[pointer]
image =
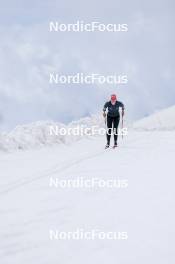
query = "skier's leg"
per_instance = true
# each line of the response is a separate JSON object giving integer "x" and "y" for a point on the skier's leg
{"x": 116, "y": 121}
{"x": 109, "y": 129}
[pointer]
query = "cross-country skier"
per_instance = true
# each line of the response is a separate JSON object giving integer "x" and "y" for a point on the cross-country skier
{"x": 113, "y": 118}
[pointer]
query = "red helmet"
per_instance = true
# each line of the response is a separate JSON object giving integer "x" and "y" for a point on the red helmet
{"x": 113, "y": 97}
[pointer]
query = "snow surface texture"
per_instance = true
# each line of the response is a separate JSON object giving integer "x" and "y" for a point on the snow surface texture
{"x": 30, "y": 207}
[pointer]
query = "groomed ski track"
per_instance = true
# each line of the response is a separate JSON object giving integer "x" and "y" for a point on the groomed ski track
{"x": 30, "y": 207}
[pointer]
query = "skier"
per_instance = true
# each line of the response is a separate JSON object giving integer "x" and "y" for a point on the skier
{"x": 113, "y": 118}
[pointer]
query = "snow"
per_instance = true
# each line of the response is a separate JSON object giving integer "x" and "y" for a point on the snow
{"x": 30, "y": 207}
{"x": 36, "y": 135}
{"x": 161, "y": 120}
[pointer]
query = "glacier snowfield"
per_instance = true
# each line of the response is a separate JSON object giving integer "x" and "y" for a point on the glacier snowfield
{"x": 145, "y": 209}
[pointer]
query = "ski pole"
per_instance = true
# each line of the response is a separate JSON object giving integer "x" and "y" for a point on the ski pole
{"x": 122, "y": 125}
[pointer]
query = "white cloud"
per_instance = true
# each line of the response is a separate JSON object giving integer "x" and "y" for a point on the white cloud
{"x": 29, "y": 52}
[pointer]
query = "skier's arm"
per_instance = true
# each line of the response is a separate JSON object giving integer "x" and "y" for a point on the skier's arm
{"x": 104, "y": 109}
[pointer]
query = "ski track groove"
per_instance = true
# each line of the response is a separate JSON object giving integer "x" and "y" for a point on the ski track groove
{"x": 56, "y": 169}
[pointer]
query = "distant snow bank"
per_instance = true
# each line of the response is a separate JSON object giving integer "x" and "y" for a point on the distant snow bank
{"x": 162, "y": 120}
{"x": 38, "y": 134}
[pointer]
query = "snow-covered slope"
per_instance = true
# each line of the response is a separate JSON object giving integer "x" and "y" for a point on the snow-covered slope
{"x": 162, "y": 120}
{"x": 30, "y": 207}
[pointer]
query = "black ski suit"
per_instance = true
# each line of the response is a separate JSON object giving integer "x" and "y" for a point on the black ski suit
{"x": 113, "y": 119}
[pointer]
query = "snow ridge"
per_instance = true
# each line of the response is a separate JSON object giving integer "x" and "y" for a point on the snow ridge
{"x": 36, "y": 135}
{"x": 162, "y": 120}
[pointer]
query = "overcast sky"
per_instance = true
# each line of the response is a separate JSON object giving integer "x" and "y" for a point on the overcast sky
{"x": 28, "y": 52}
